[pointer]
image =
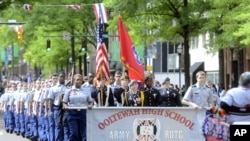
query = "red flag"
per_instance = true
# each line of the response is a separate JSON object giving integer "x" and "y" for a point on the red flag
{"x": 128, "y": 54}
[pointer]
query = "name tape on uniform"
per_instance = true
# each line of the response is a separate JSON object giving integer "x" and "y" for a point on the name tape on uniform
{"x": 241, "y": 132}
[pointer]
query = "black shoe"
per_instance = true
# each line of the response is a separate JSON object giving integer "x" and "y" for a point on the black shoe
{"x": 17, "y": 133}
{"x": 11, "y": 131}
{"x": 28, "y": 137}
{"x": 34, "y": 138}
{"x": 23, "y": 135}
{"x": 7, "y": 130}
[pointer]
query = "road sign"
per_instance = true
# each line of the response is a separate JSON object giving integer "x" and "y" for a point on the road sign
{"x": 66, "y": 36}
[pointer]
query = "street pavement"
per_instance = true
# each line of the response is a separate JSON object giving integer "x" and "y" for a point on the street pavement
{"x": 6, "y": 136}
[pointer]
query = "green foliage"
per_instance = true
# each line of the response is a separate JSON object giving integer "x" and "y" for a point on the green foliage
{"x": 227, "y": 22}
{"x": 49, "y": 19}
{"x": 152, "y": 20}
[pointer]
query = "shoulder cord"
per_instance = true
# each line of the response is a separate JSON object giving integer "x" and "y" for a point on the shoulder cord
{"x": 142, "y": 98}
{"x": 125, "y": 97}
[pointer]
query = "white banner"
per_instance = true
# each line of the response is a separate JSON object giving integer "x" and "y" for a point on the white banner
{"x": 145, "y": 124}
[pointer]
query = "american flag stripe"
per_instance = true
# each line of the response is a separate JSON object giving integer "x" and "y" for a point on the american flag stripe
{"x": 102, "y": 64}
{"x": 100, "y": 12}
{"x": 75, "y": 7}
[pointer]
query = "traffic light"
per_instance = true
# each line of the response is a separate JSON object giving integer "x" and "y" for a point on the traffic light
{"x": 20, "y": 33}
{"x": 48, "y": 45}
{"x": 84, "y": 45}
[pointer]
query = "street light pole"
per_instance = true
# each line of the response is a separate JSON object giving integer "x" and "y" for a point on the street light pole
{"x": 232, "y": 65}
{"x": 179, "y": 51}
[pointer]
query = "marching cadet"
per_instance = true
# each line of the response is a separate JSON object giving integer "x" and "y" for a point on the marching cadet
{"x": 50, "y": 110}
{"x": 17, "y": 97}
{"x": 152, "y": 95}
{"x": 90, "y": 84}
{"x": 54, "y": 96}
{"x": 169, "y": 96}
{"x": 20, "y": 109}
{"x": 90, "y": 80}
{"x": 41, "y": 118}
{"x": 103, "y": 95}
{"x": 34, "y": 116}
{"x": 77, "y": 96}
{"x": 199, "y": 95}
{"x": 114, "y": 86}
{"x": 26, "y": 102}
{"x": 2, "y": 97}
{"x": 216, "y": 97}
{"x": 10, "y": 109}
{"x": 134, "y": 97}
{"x": 4, "y": 107}
{"x": 44, "y": 100}
{"x": 121, "y": 92}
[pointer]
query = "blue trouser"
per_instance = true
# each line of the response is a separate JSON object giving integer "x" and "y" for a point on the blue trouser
{"x": 51, "y": 126}
{"x": 58, "y": 128}
{"x": 10, "y": 119}
{"x": 66, "y": 131}
{"x": 17, "y": 124}
{"x": 77, "y": 125}
{"x": 33, "y": 125}
{"x": 41, "y": 126}
{"x": 22, "y": 122}
{"x": 27, "y": 124}
{"x": 5, "y": 119}
{"x": 46, "y": 126}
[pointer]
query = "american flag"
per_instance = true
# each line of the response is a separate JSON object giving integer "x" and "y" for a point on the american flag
{"x": 75, "y": 7}
{"x": 102, "y": 65}
{"x": 100, "y": 12}
{"x": 27, "y": 7}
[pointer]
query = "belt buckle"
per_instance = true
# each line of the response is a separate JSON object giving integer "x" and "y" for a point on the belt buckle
{"x": 78, "y": 110}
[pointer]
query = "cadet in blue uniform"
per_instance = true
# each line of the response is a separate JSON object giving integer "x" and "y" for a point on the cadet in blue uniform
{"x": 22, "y": 109}
{"x": 18, "y": 97}
{"x": 34, "y": 115}
{"x": 49, "y": 103}
{"x": 54, "y": 96}
{"x": 114, "y": 86}
{"x": 236, "y": 102}
{"x": 77, "y": 96}
{"x": 4, "y": 107}
{"x": 121, "y": 92}
{"x": 199, "y": 95}
{"x": 169, "y": 96}
{"x": 134, "y": 97}
{"x": 10, "y": 109}
{"x": 152, "y": 95}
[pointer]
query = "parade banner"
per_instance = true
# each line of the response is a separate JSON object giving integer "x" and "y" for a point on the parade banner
{"x": 145, "y": 124}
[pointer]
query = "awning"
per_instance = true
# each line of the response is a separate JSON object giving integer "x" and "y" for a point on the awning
{"x": 197, "y": 66}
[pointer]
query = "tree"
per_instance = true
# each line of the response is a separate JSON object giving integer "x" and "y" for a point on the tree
{"x": 224, "y": 25}
{"x": 173, "y": 20}
{"x": 48, "y": 20}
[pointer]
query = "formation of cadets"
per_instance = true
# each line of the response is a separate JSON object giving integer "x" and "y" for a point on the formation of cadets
{"x": 40, "y": 110}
